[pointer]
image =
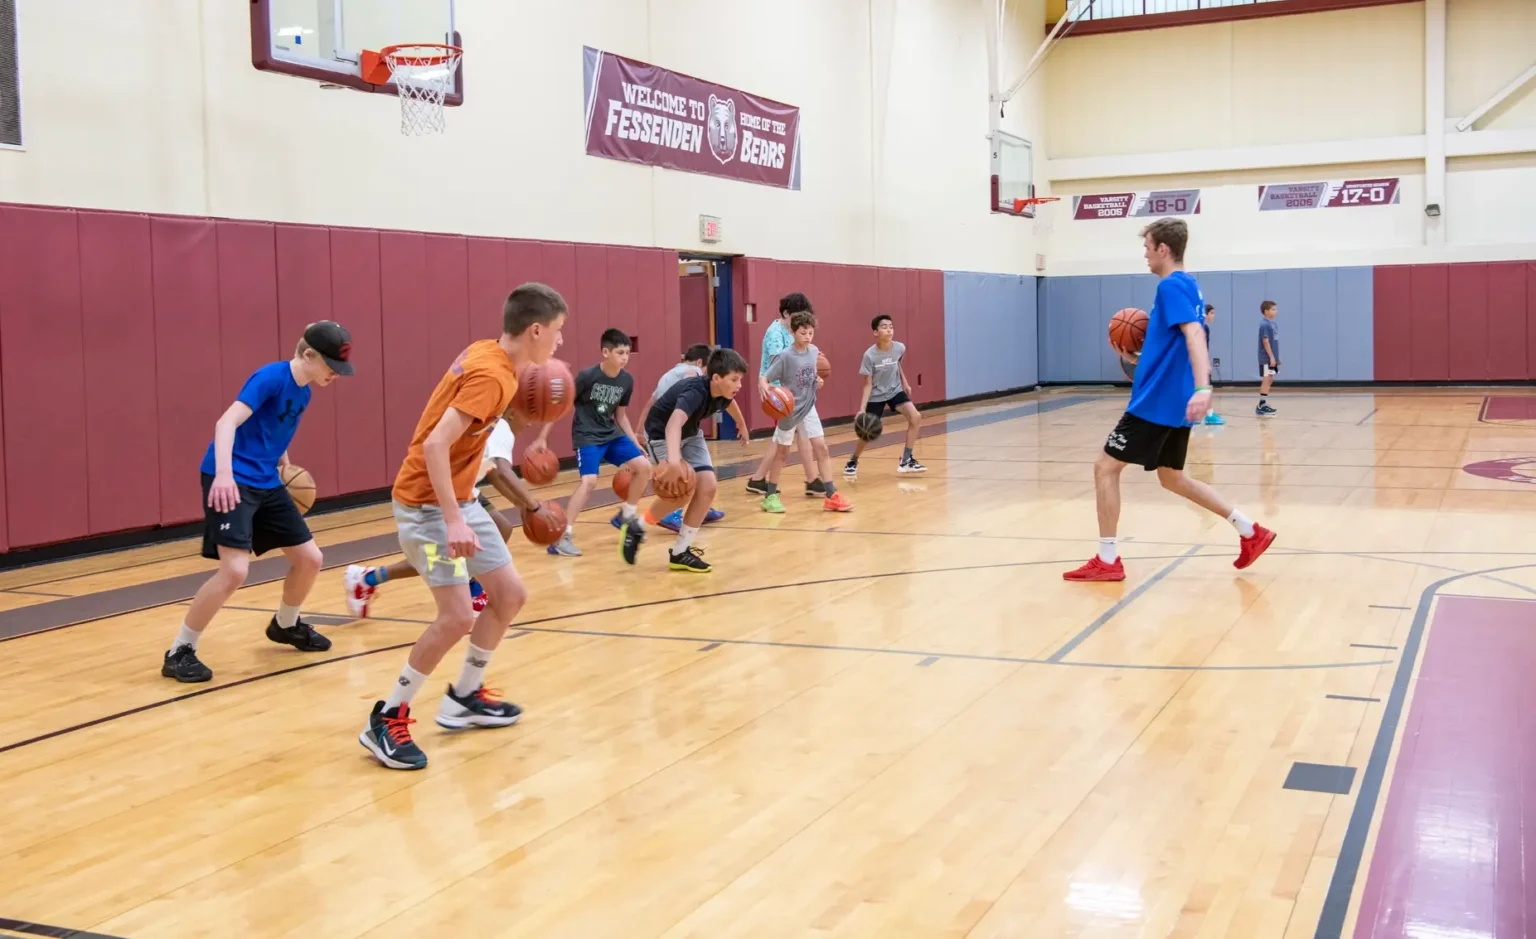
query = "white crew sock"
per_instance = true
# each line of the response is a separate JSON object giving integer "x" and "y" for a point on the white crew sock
{"x": 684, "y": 539}
{"x": 405, "y": 689}
{"x": 472, "y": 676}
{"x": 628, "y": 511}
{"x": 287, "y": 615}
{"x": 186, "y": 636}
{"x": 1242, "y": 523}
{"x": 1109, "y": 550}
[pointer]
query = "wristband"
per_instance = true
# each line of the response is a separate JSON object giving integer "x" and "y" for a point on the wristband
{"x": 1202, "y": 388}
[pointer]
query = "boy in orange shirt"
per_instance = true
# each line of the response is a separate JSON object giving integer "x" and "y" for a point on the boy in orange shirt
{"x": 449, "y": 538}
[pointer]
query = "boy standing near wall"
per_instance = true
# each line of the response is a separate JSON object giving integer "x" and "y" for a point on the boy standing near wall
{"x": 1269, "y": 354}
{"x": 1171, "y": 391}
{"x": 1210, "y": 317}
{"x": 886, "y": 386}
{"x": 246, "y": 508}
{"x": 776, "y": 340}
{"x": 795, "y": 368}
{"x": 449, "y": 538}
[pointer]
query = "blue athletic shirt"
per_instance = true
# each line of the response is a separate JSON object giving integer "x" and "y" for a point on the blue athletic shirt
{"x": 276, "y": 402}
{"x": 1164, "y": 380}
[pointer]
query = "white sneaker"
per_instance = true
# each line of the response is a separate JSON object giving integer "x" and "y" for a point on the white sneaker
{"x": 911, "y": 466}
{"x": 359, "y": 594}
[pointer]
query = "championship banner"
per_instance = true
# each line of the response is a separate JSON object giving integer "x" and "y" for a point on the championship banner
{"x": 1335, "y": 194}
{"x": 1136, "y": 204}
{"x": 642, "y": 113}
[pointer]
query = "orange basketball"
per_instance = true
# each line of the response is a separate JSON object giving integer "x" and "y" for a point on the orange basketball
{"x": 672, "y": 485}
{"x": 779, "y": 402}
{"x": 300, "y": 485}
{"x": 545, "y": 527}
{"x": 621, "y": 481}
{"x": 545, "y": 393}
{"x": 823, "y": 367}
{"x": 1127, "y": 329}
{"x": 540, "y": 466}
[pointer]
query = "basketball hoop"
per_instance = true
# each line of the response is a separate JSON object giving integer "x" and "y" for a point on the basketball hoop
{"x": 1042, "y": 219}
{"x": 423, "y": 73}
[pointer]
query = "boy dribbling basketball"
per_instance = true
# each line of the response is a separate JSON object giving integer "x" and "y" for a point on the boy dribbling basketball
{"x": 449, "y": 538}
{"x": 246, "y": 508}
{"x": 1171, "y": 391}
{"x": 795, "y": 369}
{"x": 778, "y": 338}
{"x": 886, "y": 386}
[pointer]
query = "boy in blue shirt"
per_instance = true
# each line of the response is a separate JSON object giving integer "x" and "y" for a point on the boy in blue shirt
{"x": 1210, "y": 314}
{"x": 246, "y": 508}
{"x": 1269, "y": 355}
{"x": 1171, "y": 391}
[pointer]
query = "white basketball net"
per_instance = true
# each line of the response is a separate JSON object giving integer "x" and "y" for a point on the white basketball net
{"x": 423, "y": 76}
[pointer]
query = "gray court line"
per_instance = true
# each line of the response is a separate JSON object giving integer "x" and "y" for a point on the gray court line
{"x": 1349, "y": 697}
{"x": 1370, "y": 645}
{"x": 1346, "y": 870}
{"x": 1125, "y": 601}
{"x": 1367, "y": 417}
{"x": 1383, "y": 606}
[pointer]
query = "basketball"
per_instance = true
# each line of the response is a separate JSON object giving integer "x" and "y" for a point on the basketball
{"x": 1127, "y": 329}
{"x": 621, "y": 481}
{"x": 867, "y": 426}
{"x": 779, "y": 402}
{"x": 545, "y": 393}
{"x": 672, "y": 485}
{"x": 301, "y": 486}
{"x": 540, "y": 466}
{"x": 823, "y": 367}
{"x": 545, "y": 527}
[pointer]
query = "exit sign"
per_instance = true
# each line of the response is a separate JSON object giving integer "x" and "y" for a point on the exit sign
{"x": 710, "y": 230}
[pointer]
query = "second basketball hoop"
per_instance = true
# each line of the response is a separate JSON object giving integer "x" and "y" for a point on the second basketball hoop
{"x": 423, "y": 74}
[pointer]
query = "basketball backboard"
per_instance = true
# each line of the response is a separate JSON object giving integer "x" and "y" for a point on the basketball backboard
{"x": 323, "y": 40}
{"x": 1013, "y": 173}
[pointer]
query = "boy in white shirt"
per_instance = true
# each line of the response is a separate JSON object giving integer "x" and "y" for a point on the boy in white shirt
{"x": 362, "y": 583}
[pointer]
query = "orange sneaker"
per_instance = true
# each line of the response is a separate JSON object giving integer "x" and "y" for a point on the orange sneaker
{"x": 836, "y": 503}
{"x": 1096, "y": 570}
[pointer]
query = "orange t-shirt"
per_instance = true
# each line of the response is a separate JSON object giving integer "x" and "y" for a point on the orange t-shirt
{"x": 480, "y": 384}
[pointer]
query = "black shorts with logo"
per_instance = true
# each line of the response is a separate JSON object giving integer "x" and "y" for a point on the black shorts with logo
{"x": 1146, "y": 444}
{"x": 264, "y": 519}
{"x": 877, "y": 408}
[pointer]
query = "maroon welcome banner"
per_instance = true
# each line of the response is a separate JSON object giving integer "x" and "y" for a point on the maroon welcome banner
{"x": 642, "y": 113}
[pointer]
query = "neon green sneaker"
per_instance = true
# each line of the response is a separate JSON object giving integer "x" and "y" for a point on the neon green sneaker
{"x": 772, "y": 504}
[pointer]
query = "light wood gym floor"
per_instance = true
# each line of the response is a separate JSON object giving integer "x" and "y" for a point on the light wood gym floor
{"x": 895, "y": 722}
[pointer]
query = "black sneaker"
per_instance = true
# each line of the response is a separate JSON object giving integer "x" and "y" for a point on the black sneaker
{"x": 757, "y": 487}
{"x": 689, "y": 561}
{"x": 479, "y": 708}
{"x": 181, "y": 663}
{"x": 300, "y": 635}
{"x": 816, "y": 490}
{"x": 633, "y": 537}
{"x": 388, "y": 738}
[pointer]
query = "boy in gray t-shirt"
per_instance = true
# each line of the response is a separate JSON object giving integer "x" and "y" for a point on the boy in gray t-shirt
{"x": 795, "y": 369}
{"x": 1269, "y": 354}
{"x": 885, "y": 386}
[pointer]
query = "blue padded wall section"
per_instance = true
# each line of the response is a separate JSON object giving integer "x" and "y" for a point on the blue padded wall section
{"x": 992, "y": 334}
{"x": 1326, "y": 322}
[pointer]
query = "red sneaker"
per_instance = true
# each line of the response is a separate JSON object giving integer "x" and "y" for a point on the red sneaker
{"x": 1251, "y": 547}
{"x": 1096, "y": 569}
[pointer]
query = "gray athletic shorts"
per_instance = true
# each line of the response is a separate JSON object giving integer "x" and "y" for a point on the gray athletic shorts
{"x": 424, "y": 539}
{"x": 695, "y": 453}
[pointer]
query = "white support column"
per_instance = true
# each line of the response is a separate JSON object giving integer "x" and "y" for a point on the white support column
{"x": 1434, "y": 120}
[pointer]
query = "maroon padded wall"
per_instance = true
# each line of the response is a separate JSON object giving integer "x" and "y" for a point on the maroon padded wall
{"x": 1456, "y": 322}
{"x": 846, "y": 297}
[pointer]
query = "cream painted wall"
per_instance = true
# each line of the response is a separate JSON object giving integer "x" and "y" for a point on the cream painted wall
{"x": 1305, "y": 98}
{"x": 892, "y": 92}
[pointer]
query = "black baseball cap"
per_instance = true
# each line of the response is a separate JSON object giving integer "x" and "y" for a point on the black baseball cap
{"x": 334, "y": 344}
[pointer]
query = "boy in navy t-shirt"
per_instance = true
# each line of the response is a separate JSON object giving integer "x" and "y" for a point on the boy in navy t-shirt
{"x": 246, "y": 508}
{"x": 1171, "y": 391}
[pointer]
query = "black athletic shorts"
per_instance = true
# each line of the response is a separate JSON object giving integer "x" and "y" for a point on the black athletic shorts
{"x": 1146, "y": 444}
{"x": 877, "y": 408}
{"x": 264, "y": 519}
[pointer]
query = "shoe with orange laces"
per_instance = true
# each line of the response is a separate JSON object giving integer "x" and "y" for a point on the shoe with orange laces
{"x": 479, "y": 708}
{"x": 1254, "y": 545}
{"x": 1096, "y": 570}
{"x": 836, "y": 503}
{"x": 388, "y": 738}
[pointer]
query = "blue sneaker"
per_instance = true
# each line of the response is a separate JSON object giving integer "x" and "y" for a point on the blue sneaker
{"x": 1214, "y": 418}
{"x": 673, "y": 522}
{"x": 618, "y": 520}
{"x": 714, "y": 515}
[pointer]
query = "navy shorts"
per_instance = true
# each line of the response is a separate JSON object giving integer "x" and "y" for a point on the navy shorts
{"x": 616, "y": 452}
{"x": 264, "y": 519}
{"x": 877, "y": 408}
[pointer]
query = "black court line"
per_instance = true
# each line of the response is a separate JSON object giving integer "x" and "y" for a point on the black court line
{"x": 1369, "y": 645}
{"x": 523, "y": 629}
{"x": 710, "y": 648}
{"x": 53, "y": 932}
{"x": 1384, "y": 606}
{"x": 1349, "y": 697}
{"x": 1346, "y": 870}
{"x": 72, "y": 611}
{"x": 1124, "y": 602}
